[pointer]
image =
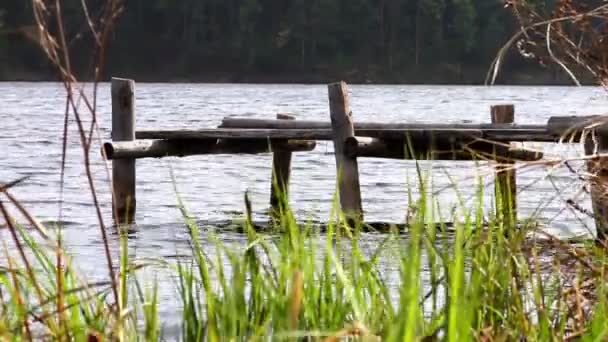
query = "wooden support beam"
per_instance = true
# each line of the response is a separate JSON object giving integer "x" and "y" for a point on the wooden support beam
{"x": 499, "y": 135}
{"x": 237, "y": 122}
{"x": 349, "y": 189}
{"x": 519, "y": 135}
{"x": 307, "y": 134}
{"x": 506, "y": 185}
{"x": 435, "y": 150}
{"x": 281, "y": 169}
{"x": 494, "y": 132}
{"x": 237, "y": 133}
{"x": 304, "y": 134}
{"x": 188, "y": 147}
{"x": 123, "y": 130}
{"x": 249, "y": 123}
{"x": 372, "y": 147}
{"x": 596, "y": 146}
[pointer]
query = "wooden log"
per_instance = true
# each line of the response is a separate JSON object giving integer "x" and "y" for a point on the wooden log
{"x": 307, "y": 134}
{"x": 236, "y": 122}
{"x": 435, "y": 150}
{"x": 506, "y": 185}
{"x": 596, "y": 145}
{"x": 422, "y": 134}
{"x": 349, "y": 189}
{"x": 499, "y": 135}
{"x": 372, "y": 147}
{"x": 519, "y": 135}
{"x": 419, "y": 148}
{"x": 524, "y": 155}
{"x": 281, "y": 169}
{"x": 123, "y": 171}
{"x": 188, "y": 147}
{"x": 234, "y": 133}
{"x": 570, "y": 128}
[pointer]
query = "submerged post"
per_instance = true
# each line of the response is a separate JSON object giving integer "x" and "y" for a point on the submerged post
{"x": 123, "y": 170}
{"x": 346, "y": 165}
{"x": 506, "y": 185}
{"x": 281, "y": 168}
{"x": 596, "y": 145}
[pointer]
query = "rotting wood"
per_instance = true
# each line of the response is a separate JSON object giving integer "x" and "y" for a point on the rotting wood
{"x": 456, "y": 141}
{"x": 248, "y": 123}
{"x": 236, "y": 122}
{"x": 570, "y": 128}
{"x": 349, "y": 189}
{"x": 123, "y": 130}
{"x": 305, "y": 134}
{"x": 371, "y": 147}
{"x": 506, "y": 185}
{"x": 281, "y": 169}
{"x": 596, "y": 145}
{"x": 366, "y": 147}
{"x": 189, "y": 147}
{"x": 228, "y": 133}
{"x": 516, "y": 135}
{"x": 435, "y": 150}
{"x": 498, "y": 135}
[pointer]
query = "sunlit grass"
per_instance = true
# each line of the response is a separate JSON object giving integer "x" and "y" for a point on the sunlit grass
{"x": 482, "y": 280}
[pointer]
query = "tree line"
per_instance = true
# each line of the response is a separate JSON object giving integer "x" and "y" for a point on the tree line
{"x": 267, "y": 38}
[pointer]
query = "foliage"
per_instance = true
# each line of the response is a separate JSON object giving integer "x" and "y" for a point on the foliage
{"x": 570, "y": 35}
{"x": 483, "y": 280}
{"x": 190, "y": 37}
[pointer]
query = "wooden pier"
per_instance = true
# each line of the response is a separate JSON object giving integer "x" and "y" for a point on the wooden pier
{"x": 284, "y": 135}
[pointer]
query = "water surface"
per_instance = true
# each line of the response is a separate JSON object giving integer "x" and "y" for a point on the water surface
{"x": 31, "y": 118}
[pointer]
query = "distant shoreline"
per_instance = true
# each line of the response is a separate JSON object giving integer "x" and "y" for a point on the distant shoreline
{"x": 420, "y": 76}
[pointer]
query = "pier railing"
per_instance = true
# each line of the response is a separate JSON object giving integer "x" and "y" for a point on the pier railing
{"x": 284, "y": 135}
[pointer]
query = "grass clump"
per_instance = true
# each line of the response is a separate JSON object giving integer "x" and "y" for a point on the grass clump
{"x": 483, "y": 280}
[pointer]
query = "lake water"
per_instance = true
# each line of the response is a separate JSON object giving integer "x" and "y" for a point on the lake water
{"x": 31, "y": 118}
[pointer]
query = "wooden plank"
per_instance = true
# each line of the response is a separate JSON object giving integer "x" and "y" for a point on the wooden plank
{"x": 188, "y": 147}
{"x": 349, "y": 189}
{"x": 596, "y": 145}
{"x": 123, "y": 130}
{"x": 281, "y": 169}
{"x": 506, "y": 185}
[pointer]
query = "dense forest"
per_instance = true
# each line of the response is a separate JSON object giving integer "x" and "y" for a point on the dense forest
{"x": 434, "y": 41}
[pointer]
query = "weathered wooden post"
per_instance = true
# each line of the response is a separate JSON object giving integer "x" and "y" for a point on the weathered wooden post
{"x": 346, "y": 165}
{"x": 596, "y": 145}
{"x": 281, "y": 168}
{"x": 123, "y": 170}
{"x": 506, "y": 185}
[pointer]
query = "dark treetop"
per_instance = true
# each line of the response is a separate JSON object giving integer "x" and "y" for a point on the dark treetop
{"x": 421, "y": 41}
